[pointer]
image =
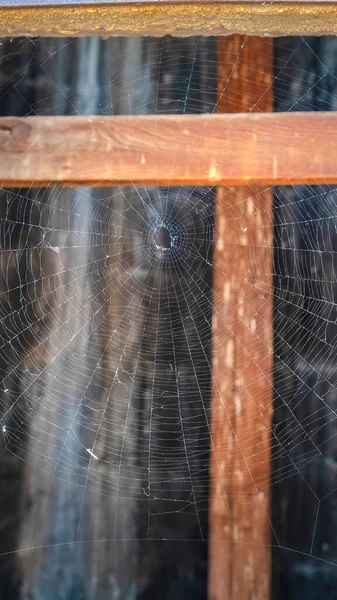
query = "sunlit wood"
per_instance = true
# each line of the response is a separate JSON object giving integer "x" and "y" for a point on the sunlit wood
{"x": 267, "y": 149}
{"x": 177, "y": 17}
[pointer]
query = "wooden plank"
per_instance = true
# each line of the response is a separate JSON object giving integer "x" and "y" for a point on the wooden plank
{"x": 240, "y": 563}
{"x": 21, "y": 3}
{"x": 289, "y": 148}
{"x": 177, "y": 17}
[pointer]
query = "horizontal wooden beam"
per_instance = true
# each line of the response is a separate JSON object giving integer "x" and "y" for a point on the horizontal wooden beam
{"x": 157, "y": 18}
{"x": 236, "y": 149}
{"x": 100, "y": 2}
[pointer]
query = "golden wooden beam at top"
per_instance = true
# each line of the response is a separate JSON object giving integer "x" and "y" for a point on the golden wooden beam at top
{"x": 157, "y": 18}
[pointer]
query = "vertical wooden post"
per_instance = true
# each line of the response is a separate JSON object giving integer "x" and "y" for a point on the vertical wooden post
{"x": 240, "y": 562}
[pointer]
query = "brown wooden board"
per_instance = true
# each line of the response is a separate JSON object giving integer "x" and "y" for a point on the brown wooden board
{"x": 176, "y": 17}
{"x": 22, "y": 3}
{"x": 283, "y": 148}
{"x": 240, "y": 565}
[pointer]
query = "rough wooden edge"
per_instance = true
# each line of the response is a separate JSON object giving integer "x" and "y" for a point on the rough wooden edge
{"x": 93, "y": 3}
{"x": 177, "y": 19}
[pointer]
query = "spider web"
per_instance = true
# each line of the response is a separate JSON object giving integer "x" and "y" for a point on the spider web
{"x": 106, "y": 307}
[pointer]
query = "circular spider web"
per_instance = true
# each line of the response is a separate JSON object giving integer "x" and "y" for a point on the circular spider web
{"x": 106, "y": 304}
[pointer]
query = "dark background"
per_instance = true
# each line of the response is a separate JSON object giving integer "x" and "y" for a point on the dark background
{"x": 41, "y": 502}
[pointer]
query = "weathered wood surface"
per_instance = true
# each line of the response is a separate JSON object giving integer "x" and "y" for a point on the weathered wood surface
{"x": 169, "y": 150}
{"x": 33, "y": 3}
{"x": 240, "y": 565}
{"x": 157, "y": 18}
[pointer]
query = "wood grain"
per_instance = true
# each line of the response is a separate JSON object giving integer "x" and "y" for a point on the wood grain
{"x": 175, "y": 17}
{"x": 240, "y": 565}
{"x": 161, "y": 150}
{"x": 93, "y": 3}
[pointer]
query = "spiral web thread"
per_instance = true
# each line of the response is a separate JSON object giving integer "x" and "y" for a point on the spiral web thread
{"x": 106, "y": 306}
